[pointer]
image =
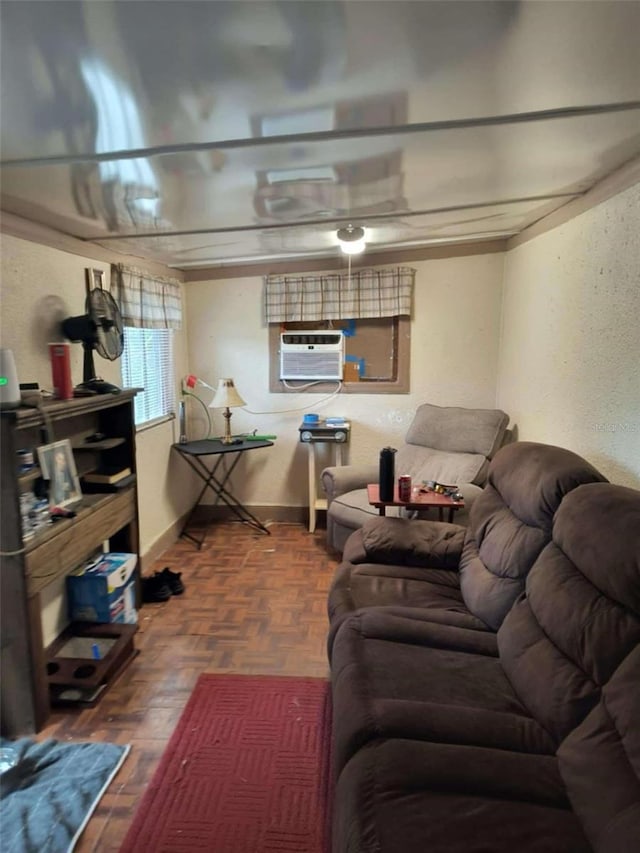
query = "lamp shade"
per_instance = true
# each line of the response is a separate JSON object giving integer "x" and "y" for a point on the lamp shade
{"x": 226, "y": 395}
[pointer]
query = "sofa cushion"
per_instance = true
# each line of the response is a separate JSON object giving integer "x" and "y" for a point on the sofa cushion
{"x": 580, "y": 617}
{"x": 510, "y": 523}
{"x": 432, "y": 593}
{"x": 391, "y": 540}
{"x": 459, "y": 430}
{"x": 426, "y": 681}
{"x": 600, "y": 763}
{"x": 404, "y": 796}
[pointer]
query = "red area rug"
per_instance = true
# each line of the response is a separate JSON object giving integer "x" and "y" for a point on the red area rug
{"x": 246, "y": 771}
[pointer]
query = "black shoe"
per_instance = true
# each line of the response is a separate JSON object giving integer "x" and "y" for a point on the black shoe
{"x": 155, "y": 589}
{"x": 172, "y": 580}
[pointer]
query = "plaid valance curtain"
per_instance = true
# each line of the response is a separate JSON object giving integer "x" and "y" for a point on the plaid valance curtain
{"x": 338, "y": 296}
{"x": 146, "y": 301}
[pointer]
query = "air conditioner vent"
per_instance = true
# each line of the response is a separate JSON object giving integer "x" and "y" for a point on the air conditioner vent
{"x": 311, "y": 355}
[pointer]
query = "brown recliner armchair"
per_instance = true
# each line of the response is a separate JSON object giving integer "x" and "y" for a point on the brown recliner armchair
{"x": 447, "y": 444}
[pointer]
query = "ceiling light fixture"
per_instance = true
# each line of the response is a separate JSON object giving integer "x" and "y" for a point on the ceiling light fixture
{"x": 352, "y": 239}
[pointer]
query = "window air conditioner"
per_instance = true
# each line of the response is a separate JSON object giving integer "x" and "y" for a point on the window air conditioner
{"x": 311, "y": 355}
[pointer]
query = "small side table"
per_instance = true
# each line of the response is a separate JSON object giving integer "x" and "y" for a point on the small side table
{"x": 195, "y": 452}
{"x": 419, "y": 500}
{"x": 312, "y": 435}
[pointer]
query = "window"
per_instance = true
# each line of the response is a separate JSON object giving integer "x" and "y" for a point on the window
{"x": 147, "y": 362}
{"x": 372, "y": 306}
{"x": 376, "y": 356}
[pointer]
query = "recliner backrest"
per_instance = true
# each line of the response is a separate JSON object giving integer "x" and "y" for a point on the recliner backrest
{"x": 457, "y": 429}
{"x": 451, "y": 444}
{"x": 511, "y": 522}
{"x": 580, "y": 617}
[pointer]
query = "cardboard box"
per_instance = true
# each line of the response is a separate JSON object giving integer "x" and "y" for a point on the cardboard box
{"x": 103, "y": 590}
{"x": 351, "y": 371}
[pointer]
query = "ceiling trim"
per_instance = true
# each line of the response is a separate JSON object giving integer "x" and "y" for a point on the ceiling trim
{"x": 616, "y": 182}
{"x": 387, "y": 256}
{"x": 325, "y": 135}
{"x": 366, "y": 219}
{"x": 25, "y": 229}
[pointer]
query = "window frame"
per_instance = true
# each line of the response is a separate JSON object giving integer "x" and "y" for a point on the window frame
{"x": 401, "y": 385}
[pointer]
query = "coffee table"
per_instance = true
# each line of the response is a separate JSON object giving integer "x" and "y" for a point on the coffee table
{"x": 419, "y": 500}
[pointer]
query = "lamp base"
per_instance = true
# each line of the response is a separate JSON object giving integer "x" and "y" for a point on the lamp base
{"x": 226, "y": 438}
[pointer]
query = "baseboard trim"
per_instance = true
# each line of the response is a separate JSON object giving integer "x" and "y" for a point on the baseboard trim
{"x": 164, "y": 541}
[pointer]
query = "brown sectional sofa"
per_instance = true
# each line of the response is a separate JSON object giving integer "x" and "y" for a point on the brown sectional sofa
{"x": 393, "y": 563}
{"x": 491, "y": 701}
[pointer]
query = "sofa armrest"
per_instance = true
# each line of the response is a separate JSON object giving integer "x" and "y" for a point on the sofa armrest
{"x": 345, "y": 478}
{"x": 406, "y": 542}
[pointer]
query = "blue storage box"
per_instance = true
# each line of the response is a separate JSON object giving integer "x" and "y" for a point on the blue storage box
{"x": 103, "y": 590}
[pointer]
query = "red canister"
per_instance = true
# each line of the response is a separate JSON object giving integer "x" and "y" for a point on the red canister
{"x": 404, "y": 488}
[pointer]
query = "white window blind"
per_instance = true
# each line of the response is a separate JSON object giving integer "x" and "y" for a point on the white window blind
{"x": 147, "y": 362}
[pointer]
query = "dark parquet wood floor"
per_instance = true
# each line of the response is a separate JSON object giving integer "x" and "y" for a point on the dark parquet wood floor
{"x": 253, "y": 604}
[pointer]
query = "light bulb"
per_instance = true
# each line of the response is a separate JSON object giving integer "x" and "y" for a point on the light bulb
{"x": 352, "y": 239}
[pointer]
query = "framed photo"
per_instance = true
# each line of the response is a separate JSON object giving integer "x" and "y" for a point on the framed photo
{"x": 59, "y": 468}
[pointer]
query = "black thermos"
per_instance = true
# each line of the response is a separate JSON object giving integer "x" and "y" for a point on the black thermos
{"x": 387, "y": 473}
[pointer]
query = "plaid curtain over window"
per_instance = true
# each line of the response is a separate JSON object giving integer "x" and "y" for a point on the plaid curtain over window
{"x": 146, "y": 301}
{"x": 338, "y": 296}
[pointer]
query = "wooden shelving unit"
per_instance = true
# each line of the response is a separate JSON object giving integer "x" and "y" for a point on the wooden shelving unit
{"x": 27, "y": 567}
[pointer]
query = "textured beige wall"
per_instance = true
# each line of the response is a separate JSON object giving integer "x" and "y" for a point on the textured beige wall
{"x": 570, "y": 352}
{"x": 40, "y": 286}
{"x": 454, "y": 352}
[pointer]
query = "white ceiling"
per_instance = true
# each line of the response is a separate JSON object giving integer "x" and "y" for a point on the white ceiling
{"x": 215, "y": 133}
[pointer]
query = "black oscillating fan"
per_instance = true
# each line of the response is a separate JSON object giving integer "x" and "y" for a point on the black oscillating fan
{"x": 100, "y": 329}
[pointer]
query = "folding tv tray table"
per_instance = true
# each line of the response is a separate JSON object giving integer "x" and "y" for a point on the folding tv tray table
{"x": 196, "y": 454}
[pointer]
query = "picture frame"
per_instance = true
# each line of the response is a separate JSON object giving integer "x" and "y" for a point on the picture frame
{"x": 59, "y": 468}
{"x": 94, "y": 278}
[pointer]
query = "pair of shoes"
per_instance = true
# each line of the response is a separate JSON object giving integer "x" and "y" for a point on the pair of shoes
{"x": 155, "y": 589}
{"x": 172, "y": 580}
{"x": 162, "y": 585}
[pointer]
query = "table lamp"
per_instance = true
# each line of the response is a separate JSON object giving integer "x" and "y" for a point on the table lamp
{"x": 226, "y": 396}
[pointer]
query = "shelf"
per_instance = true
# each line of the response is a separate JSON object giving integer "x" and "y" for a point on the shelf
{"x": 62, "y": 547}
{"x": 104, "y": 444}
{"x": 26, "y": 416}
{"x": 30, "y": 476}
{"x": 82, "y": 675}
{"x": 104, "y": 488}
